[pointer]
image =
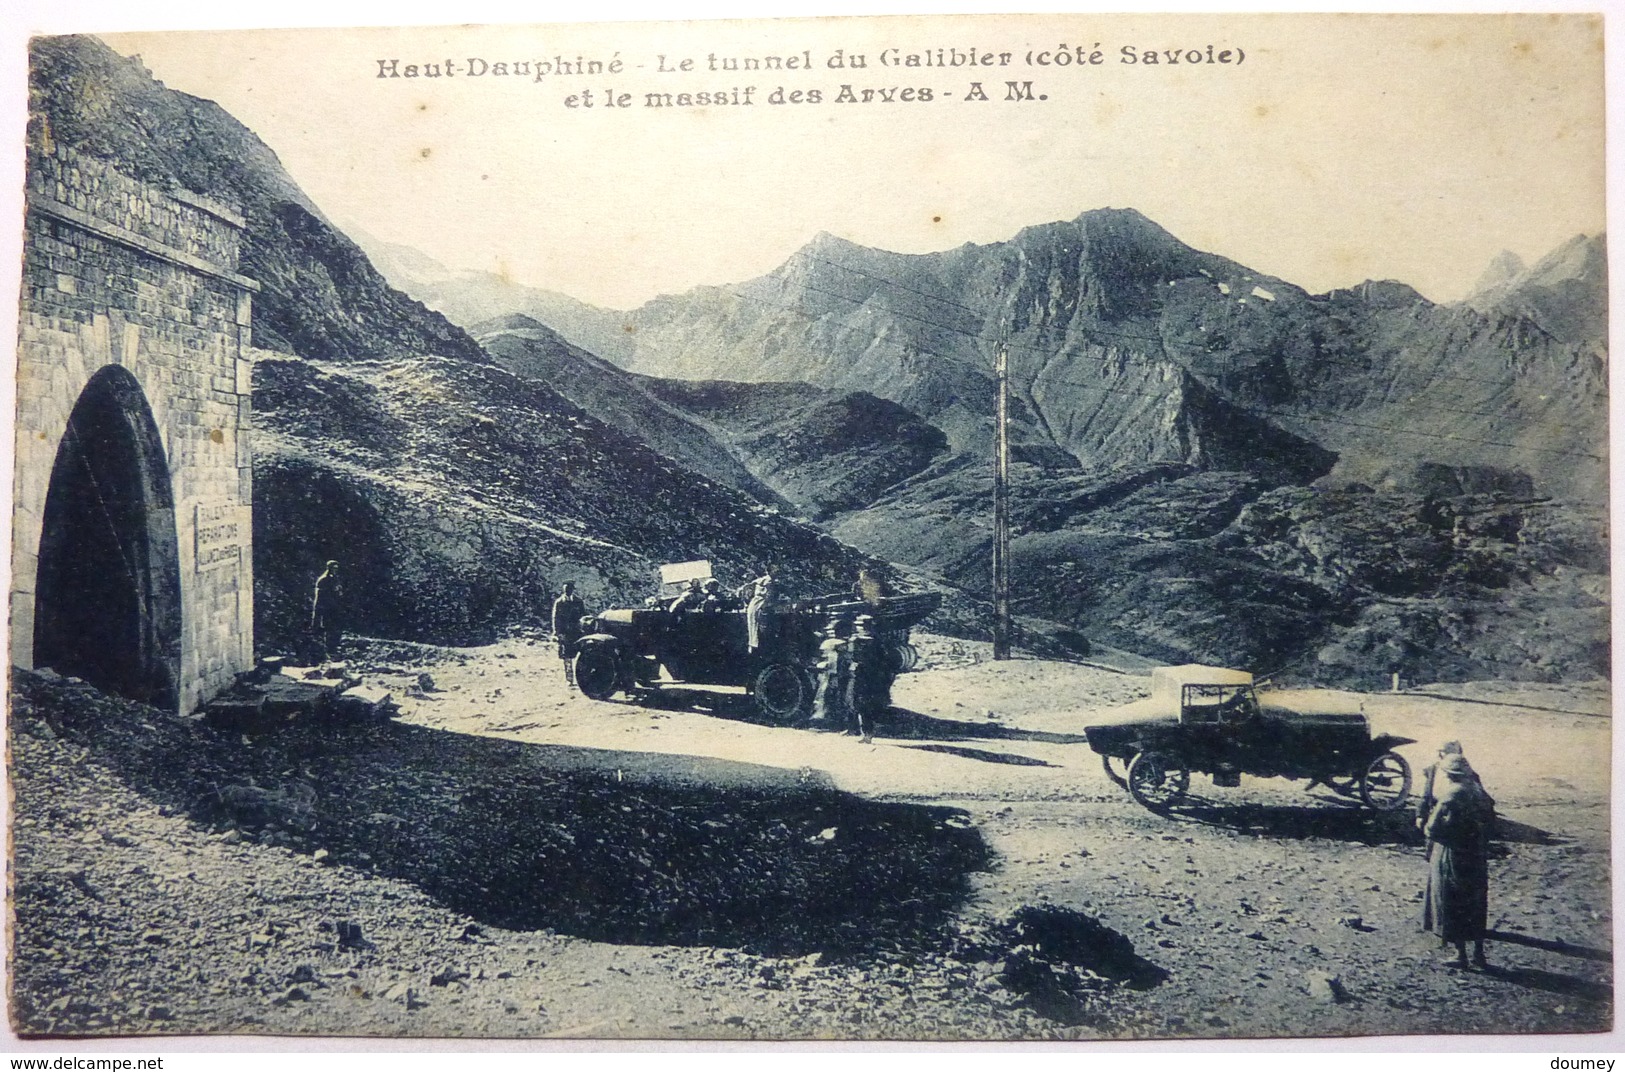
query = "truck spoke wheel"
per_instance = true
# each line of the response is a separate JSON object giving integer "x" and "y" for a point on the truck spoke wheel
{"x": 1157, "y": 781}
{"x": 1386, "y": 782}
{"x": 595, "y": 674}
{"x": 783, "y": 693}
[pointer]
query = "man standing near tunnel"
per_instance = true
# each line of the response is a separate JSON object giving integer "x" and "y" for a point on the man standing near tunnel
{"x": 326, "y": 627}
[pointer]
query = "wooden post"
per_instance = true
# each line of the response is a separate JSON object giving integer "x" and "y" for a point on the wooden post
{"x": 1001, "y": 511}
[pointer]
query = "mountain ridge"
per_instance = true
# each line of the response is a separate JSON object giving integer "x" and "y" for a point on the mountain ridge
{"x": 458, "y": 496}
{"x": 319, "y": 295}
{"x": 1083, "y": 303}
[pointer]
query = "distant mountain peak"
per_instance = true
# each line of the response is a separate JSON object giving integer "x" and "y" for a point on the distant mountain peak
{"x": 1382, "y": 293}
{"x": 828, "y": 242}
{"x": 1503, "y": 268}
{"x": 510, "y": 322}
{"x": 1583, "y": 258}
{"x": 1107, "y": 213}
{"x": 1565, "y": 292}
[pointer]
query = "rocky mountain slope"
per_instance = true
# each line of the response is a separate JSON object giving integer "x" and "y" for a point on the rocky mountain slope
{"x": 320, "y": 296}
{"x": 534, "y": 352}
{"x": 824, "y": 451}
{"x": 1181, "y": 564}
{"x": 457, "y": 496}
{"x": 461, "y": 496}
{"x": 790, "y": 445}
{"x": 1166, "y": 402}
{"x": 1564, "y": 293}
{"x": 1109, "y": 319}
{"x": 1211, "y": 463}
{"x": 471, "y": 298}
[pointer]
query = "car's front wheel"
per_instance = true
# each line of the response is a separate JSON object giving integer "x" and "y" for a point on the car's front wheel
{"x": 1157, "y": 780}
{"x": 596, "y": 673}
{"x": 1386, "y": 782}
{"x": 783, "y": 693}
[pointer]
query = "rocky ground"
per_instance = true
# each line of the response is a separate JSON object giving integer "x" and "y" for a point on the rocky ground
{"x": 509, "y": 859}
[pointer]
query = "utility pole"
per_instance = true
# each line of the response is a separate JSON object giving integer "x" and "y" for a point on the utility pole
{"x": 1001, "y": 510}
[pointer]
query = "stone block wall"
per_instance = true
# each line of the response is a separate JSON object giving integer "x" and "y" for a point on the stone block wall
{"x": 120, "y": 272}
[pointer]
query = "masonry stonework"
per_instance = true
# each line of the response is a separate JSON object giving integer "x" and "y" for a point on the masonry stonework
{"x": 120, "y": 272}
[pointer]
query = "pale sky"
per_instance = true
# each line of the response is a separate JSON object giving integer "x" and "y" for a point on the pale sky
{"x": 1341, "y": 148}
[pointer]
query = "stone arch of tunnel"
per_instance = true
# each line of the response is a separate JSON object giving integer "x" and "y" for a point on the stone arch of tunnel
{"x": 132, "y": 552}
{"x": 107, "y": 604}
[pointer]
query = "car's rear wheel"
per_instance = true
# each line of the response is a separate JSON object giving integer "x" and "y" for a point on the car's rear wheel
{"x": 1386, "y": 782}
{"x": 1112, "y": 772}
{"x": 1157, "y": 780}
{"x": 596, "y": 673}
{"x": 783, "y": 693}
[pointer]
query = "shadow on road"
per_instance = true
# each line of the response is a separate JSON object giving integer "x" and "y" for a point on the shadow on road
{"x": 608, "y": 845}
{"x": 897, "y": 723}
{"x": 1551, "y": 946}
{"x": 1553, "y": 982}
{"x": 1335, "y": 820}
{"x": 911, "y": 725}
{"x": 982, "y": 754}
{"x": 1524, "y": 834}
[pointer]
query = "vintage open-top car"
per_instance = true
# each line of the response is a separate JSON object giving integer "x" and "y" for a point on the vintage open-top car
{"x": 640, "y": 651}
{"x": 1217, "y": 722}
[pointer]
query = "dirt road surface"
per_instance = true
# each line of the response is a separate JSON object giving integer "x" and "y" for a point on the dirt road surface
{"x": 991, "y": 881}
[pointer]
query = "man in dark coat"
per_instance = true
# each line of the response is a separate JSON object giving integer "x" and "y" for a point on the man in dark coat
{"x": 1458, "y": 830}
{"x": 568, "y": 610}
{"x": 713, "y": 600}
{"x": 326, "y": 614}
{"x": 868, "y": 686}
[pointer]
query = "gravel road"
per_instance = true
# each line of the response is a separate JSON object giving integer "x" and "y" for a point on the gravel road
{"x": 509, "y": 859}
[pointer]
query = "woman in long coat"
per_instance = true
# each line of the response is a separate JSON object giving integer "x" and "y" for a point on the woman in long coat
{"x": 1458, "y": 831}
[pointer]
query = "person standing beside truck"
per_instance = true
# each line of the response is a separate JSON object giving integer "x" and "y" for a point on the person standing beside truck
{"x": 829, "y": 698}
{"x": 866, "y": 684}
{"x": 762, "y": 598}
{"x": 568, "y": 610}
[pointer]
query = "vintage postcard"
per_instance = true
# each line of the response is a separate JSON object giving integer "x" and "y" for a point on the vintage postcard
{"x": 928, "y": 528}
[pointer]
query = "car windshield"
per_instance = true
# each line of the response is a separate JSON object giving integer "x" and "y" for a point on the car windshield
{"x": 1217, "y": 703}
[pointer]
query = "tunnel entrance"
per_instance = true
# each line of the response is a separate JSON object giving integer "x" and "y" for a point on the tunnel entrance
{"x": 107, "y": 604}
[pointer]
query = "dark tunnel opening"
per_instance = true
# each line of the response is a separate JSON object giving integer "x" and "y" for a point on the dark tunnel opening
{"x": 107, "y": 597}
